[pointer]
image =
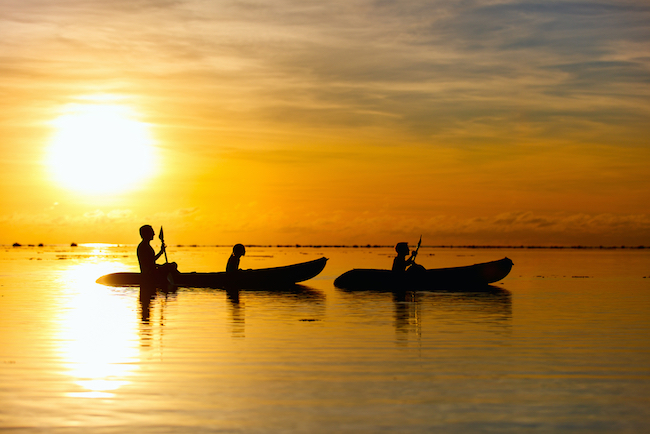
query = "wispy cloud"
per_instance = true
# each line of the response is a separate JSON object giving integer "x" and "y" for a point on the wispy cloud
{"x": 248, "y": 224}
{"x": 512, "y": 228}
{"x": 429, "y": 68}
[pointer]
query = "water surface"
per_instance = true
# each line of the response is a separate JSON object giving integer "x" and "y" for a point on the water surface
{"x": 561, "y": 345}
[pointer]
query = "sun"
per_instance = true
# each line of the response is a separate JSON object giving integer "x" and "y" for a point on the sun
{"x": 100, "y": 148}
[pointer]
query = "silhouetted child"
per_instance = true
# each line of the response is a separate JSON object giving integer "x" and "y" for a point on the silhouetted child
{"x": 401, "y": 263}
{"x": 147, "y": 258}
{"x": 238, "y": 251}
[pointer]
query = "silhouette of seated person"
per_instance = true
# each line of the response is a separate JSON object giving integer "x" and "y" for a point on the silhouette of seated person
{"x": 403, "y": 264}
{"x": 147, "y": 258}
{"x": 238, "y": 251}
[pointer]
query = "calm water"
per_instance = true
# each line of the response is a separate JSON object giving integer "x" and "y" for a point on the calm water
{"x": 562, "y": 345}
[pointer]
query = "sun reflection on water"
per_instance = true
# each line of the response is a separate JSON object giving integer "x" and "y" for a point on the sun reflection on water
{"x": 97, "y": 332}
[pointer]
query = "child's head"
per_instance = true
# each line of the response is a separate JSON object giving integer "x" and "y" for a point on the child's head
{"x": 402, "y": 249}
{"x": 238, "y": 250}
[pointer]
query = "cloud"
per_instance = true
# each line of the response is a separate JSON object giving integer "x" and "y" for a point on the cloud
{"x": 95, "y": 218}
{"x": 505, "y": 228}
{"x": 544, "y": 229}
{"x": 177, "y": 215}
{"x": 254, "y": 226}
{"x": 426, "y": 68}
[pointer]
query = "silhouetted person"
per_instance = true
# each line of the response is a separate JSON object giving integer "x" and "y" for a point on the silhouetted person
{"x": 401, "y": 263}
{"x": 238, "y": 251}
{"x": 147, "y": 258}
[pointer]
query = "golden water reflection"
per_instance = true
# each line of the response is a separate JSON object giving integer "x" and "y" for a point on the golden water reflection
{"x": 97, "y": 333}
{"x": 151, "y": 317}
{"x": 237, "y": 315}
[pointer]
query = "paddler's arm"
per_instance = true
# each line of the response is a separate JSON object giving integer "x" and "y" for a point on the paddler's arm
{"x": 411, "y": 260}
{"x": 162, "y": 250}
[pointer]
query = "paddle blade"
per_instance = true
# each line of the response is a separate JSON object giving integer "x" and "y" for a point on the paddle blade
{"x": 417, "y": 249}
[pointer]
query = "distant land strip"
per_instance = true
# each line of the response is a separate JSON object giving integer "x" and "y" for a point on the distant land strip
{"x": 355, "y": 246}
{"x": 381, "y": 246}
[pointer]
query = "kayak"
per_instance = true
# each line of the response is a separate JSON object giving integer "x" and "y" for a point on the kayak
{"x": 470, "y": 276}
{"x": 264, "y": 278}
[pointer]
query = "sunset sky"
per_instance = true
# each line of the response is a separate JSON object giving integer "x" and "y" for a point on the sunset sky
{"x": 332, "y": 122}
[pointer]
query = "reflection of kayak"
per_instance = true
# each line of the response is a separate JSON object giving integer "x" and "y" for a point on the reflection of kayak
{"x": 264, "y": 278}
{"x": 456, "y": 277}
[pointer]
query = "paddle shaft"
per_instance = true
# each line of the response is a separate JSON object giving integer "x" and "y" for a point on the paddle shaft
{"x": 417, "y": 249}
{"x": 162, "y": 240}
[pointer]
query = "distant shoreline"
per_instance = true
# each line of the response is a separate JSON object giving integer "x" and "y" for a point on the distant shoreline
{"x": 345, "y": 246}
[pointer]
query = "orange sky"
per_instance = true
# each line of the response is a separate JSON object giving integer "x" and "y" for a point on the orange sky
{"x": 342, "y": 122}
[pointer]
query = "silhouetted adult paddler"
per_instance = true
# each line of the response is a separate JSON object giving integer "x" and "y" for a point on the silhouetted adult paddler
{"x": 151, "y": 271}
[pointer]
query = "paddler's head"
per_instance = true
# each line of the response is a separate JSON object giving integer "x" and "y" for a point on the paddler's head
{"x": 239, "y": 250}
{"x": 147, "y": 232}
{"x": 402, "y": 248}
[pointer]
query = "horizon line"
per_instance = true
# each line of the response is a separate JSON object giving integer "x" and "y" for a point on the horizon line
{"x": 351, "y": 246}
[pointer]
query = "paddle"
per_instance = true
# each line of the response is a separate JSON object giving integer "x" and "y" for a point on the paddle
{"x": 416, "y": 249}
{"x": 162, "y": 240}
{"x": 170, "y": 276}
